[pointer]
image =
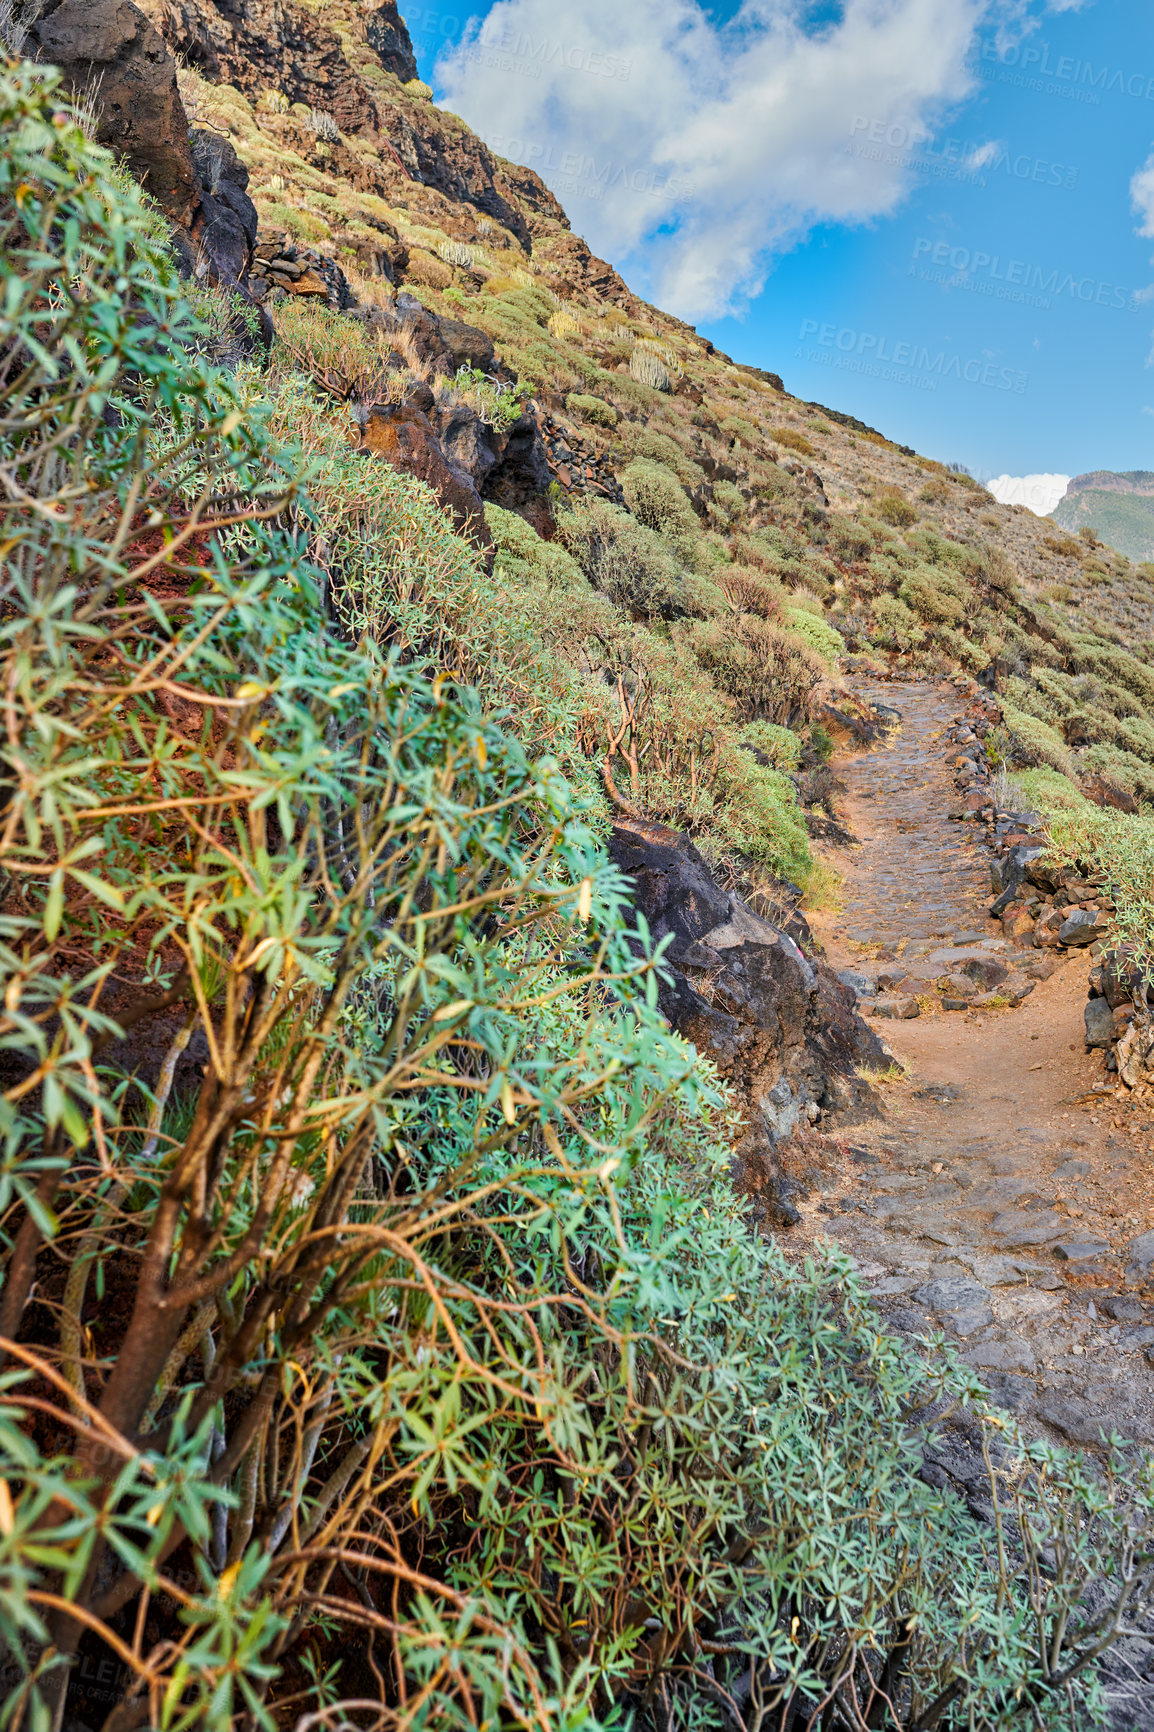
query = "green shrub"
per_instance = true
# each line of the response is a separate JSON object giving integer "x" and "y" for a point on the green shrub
{"x": 747, "y": 591}
{"x": 759, "y": 816}
{"x": 769, "y": 672}
{"x": 657, "y": 499}
{"x": 300, "y": 849}
{"x": 781, "y": 745}
{"x": 738, "y": 428}
{"x": 1115, "y": 667}
{"x": 1036, "y": 742}
{"x": 848, "y": 539}
{"x": 893, "y": 625}
{"x": 933, "y": 597}
{"x": 1118, "y": 765}
{"x": 644, "y": 441}
{"x": 595, "y": 409}
{"x": 962, "y": 648}
{"x": 792, "y": 440}
{"x": 624, "y": 558}
{"x": 895, "y": 510}
{"x": 817, "y": 634}
{"x": 728, "y": 505}
{"x": 521, "y": 550}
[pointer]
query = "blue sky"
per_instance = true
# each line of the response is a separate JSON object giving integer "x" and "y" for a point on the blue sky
{"x": 919, "y": 211}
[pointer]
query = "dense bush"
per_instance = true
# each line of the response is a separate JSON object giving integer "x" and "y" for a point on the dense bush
{"x": 1036, "y": 742}
{"x": 893, "y": 624}
{"x": 640, "y": 440}
{"x": 792, "y": 440}
{"x": 595, "y": 409}
{"x": 780, "y": 745}
{"x": 817, "y": 634}
{"x": 748, "y": 591}
{"x": 625, "y": 559}
{"x": 658, "y": 500}
{"x": 893, "y": 509}
{"x": 932, "y": 597}
{"x": 770, "y": 673}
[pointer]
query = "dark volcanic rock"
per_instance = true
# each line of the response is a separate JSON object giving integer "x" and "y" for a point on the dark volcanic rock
{"x": 467, "y": 344}
{"x": 388, "y": 37}
{"x": 405, "y": 437}
{"x": 225, "y": 223}
{"x": 1099, "y": 1023}
{"x": 508, "y": 468}
{"x": 520, "y": 479}
{"x": 110, "y": 44}
{"x": 1081, "y": 929}
{"x": 783, "y": 1030}
{"x": 286, "y": 45}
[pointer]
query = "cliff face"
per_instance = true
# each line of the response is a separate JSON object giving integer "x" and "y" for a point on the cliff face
{"x": 274, "y": 44}
{"x": 351, "y": 62}
{"x": 1118, "y": 507}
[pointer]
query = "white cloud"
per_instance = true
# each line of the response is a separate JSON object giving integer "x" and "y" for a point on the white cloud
{"x": 1142, "y": 194}
{"x": 982, "y": 156}
{"x": 713, "y": 147}
{"x": 1020, "y": 18}
{"x": 1040, "y": 493}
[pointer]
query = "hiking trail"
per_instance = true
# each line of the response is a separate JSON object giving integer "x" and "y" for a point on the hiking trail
{"x": 992, "y": 1199}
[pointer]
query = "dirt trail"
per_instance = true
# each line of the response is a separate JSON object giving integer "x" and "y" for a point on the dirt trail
{"x": 990, "y": 1201}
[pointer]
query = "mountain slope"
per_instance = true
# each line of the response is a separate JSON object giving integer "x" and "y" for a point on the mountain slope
{"x": 439, "y": 255}
{"x": 1119, "y": 508}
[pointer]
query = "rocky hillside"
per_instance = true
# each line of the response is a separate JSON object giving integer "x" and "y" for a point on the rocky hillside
{"x": 695, "y": 554}
{"x": 434, "y": 630}
{"x": 374, "y": 204}
{"x": 1118, "y": 509}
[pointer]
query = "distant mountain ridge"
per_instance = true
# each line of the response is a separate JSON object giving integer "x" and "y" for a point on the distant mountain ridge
{"x": 1117, "y": 506}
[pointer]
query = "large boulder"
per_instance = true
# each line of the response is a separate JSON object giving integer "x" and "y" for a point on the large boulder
{"x": 782, "y": 1029}
{"x": 404, "y": 436}
{"x": 109, "y": 48}
{"x": 224, "y": 224}
{"x": 468, "y": 345}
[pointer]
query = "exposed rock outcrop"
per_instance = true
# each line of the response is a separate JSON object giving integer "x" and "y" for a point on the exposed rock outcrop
{"x": 223, "y": 226}
{"x": 336, "y": 58}
{"x": 388, "y": 37}
{"x": 281, "y": 268}
{"x": 110, "y": 48}
{"x": 113, "y": 56}
{"x": 464, "y": 459}
{"x": 405, "y": 437}
{"x": 782, "y": 1029}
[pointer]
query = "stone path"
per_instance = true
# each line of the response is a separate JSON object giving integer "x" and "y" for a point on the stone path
{"x": 997, "y": 1196}
{"x": 918, "y": 876}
